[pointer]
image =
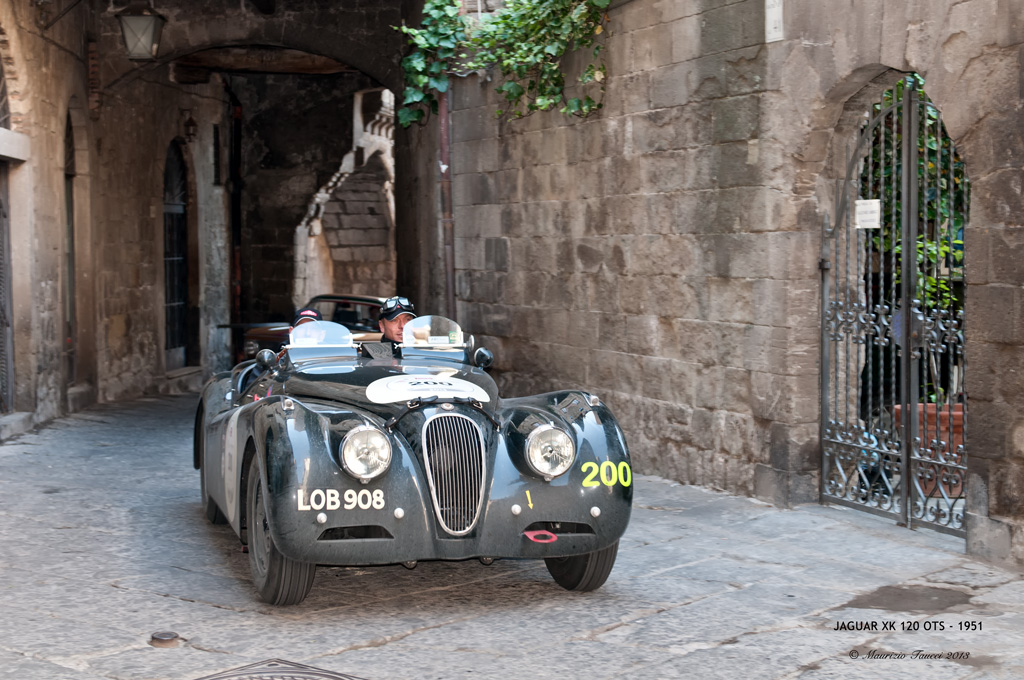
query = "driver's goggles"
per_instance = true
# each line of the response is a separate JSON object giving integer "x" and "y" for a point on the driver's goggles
{"x": 391, "y": 304}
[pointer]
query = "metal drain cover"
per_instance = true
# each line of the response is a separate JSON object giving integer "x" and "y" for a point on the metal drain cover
{"x": 278, "y": 669}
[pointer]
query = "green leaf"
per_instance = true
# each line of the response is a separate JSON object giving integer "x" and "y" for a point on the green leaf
{"x": 412, "y": 96}
{"x": 440, "y": 83}
{"x": 414, "y": 62}
{"x": 525, "y": 41}
{"x": 512, "y": 89}
{"x": 407, "y": 116}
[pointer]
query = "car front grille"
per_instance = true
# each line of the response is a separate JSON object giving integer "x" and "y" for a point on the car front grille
{"x": 453, "y": 451}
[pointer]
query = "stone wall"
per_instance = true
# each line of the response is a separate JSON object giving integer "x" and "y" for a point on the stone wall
{"x": 121, "y": 143}
{"x": 627, "y": 253}
{"x": 664, "y": 252}
{"x": 128, "y": 233}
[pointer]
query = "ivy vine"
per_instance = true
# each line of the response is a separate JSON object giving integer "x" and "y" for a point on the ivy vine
{"x": 525, "y": 41}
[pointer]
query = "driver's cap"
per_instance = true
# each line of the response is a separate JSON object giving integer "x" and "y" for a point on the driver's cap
{"x": 394, "y": 307}
{"x": 307, "y": 314}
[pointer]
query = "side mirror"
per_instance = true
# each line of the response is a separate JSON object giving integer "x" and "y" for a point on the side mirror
{"x": 483, "y": 357}
{"x": 265, "y": 358}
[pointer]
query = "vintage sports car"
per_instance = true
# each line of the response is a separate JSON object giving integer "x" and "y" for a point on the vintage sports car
{"x": 358, "y": 313}
{"x": 345, "y": 453}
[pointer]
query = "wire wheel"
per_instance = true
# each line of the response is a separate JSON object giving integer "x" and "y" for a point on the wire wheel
{"x": 278, "y": 579}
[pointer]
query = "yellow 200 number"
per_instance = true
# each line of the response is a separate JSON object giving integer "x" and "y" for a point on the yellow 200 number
{"x": 609, "y": 472}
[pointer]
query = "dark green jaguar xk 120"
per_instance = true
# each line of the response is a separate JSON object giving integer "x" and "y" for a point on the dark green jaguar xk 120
{"x": 344, "y": 453}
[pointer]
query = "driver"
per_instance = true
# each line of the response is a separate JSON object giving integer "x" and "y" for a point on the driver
{"x": 395, "y": 312}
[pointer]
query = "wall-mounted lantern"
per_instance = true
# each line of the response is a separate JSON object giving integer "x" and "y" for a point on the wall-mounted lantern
{"x": 140, "y": 26}
{"x": 190, "y": 125}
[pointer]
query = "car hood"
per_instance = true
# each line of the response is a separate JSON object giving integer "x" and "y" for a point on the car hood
{"x": 385, "y": 386}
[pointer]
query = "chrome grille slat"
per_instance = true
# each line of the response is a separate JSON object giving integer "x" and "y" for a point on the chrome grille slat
{"x": 453, "y": 452}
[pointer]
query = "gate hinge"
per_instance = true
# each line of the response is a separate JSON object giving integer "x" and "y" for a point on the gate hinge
{"x": 824, "y": 264}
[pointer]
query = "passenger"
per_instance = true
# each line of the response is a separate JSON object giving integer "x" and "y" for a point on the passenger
{"x": 306, "y": 314}
{"x": 302, "y": 316}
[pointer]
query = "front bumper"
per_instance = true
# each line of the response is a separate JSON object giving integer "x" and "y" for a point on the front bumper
{"x": 583, "y": 519}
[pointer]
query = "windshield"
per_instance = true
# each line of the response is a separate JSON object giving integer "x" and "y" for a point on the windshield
{"x": 358, "y": 315}
{"x": 318, "y": 339}
{"x": 433, "y": 332}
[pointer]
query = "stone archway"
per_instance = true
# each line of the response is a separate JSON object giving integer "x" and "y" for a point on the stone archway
{"x": 968, "y": 76}
{"x": 363, "y": 39}
{"x": 893, "y": 405}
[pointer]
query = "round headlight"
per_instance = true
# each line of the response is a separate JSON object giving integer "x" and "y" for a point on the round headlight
{"x": 549, "y": 451}
{"x": 365, "y": 453}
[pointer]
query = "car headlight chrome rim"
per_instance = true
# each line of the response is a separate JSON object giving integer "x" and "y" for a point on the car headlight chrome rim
{"x": 365, "y": 453}
{"x": 550, "y": 451}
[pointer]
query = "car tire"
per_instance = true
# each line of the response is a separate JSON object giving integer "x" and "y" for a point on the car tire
{"x": 210, "y": 508}
{"x": 278, "y": 579}
{"x": 583, "y": 572}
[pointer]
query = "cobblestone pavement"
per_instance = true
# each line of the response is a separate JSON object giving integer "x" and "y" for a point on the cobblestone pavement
{"x": 104, "y": 543}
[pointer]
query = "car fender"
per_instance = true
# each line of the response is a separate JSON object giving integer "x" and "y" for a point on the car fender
{"x": 296, "y": 448}
{"x": 601, "y": 475}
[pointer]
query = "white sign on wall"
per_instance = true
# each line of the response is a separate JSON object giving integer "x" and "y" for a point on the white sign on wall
{"x": 773, "y": 29}
{"x": 868, "y": 213}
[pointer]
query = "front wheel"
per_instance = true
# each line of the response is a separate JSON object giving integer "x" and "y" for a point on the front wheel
{"x": 583, "y": 572}
{"x": 278, "y": 579}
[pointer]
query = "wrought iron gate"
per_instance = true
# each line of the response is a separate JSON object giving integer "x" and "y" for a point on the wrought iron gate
{"x": 893, "y": 407}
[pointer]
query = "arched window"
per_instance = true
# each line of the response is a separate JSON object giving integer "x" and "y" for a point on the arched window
{"x": 176, "y": 306}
